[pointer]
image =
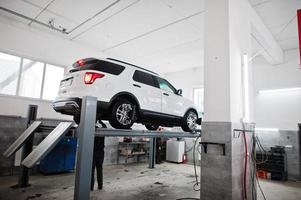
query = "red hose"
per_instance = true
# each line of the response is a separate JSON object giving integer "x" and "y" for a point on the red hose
{"x": 245, "y": 166}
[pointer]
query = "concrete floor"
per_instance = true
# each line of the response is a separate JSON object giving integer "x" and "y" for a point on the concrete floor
{"x": 168, "y": 181}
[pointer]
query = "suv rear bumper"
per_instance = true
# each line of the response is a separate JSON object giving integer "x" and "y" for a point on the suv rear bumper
{"x": 72, "y": 106}
{"x": 69, "y": 106}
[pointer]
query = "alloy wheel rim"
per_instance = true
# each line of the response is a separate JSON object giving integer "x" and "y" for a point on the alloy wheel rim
{"x": 123, "y": 114}
{"x": 191, "y": 120}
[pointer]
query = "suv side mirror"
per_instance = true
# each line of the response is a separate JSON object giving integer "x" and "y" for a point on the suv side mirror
{"x": 179, "y": 92}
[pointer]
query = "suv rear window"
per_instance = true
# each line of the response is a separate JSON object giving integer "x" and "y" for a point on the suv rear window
{"x": 145, "y": 78}
{"x": 98, "y": 65}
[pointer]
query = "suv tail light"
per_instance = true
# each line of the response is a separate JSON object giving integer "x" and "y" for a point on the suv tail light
{"x": 81, "y": 62}
{"x": 90, "y": 77}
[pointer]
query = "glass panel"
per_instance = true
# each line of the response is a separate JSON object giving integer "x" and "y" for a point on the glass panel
{"x": 98, "y": 65}
{"x": 164, "y": 85}
{"x": 198, "y": 99}
{"x": 53, "y": 77}
{"x": 9, "y": 75}
{"x": 31, "y": 78}
{"x": 144, "y": 78}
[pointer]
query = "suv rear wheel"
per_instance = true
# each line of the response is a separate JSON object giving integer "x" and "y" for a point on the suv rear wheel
{"x": 189, "y": 121}
{"x": 123, "y": 114}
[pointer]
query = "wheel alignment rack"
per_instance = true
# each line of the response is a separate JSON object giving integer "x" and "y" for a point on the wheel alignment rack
{"x": 86, "y": 132}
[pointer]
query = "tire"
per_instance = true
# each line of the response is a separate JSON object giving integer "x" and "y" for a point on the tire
{"x": 151, "y": 127}
{"x": 123, "y": 114}
{"x": 189, "y": 121}
{"x": 76, "y": 119}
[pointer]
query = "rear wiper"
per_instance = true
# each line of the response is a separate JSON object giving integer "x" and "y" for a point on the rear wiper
{"x": 73, "y": 70}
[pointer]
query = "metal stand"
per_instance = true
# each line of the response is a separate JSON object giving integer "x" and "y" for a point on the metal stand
{"x": 152, "y": 153}
{"x": 31, "y": 157}
{"x": 27, "y": 148}
{"x": 86, "y": 134}
{"x": 86, "y": 131}
{"x": 47, "y": 144}
{"x": 205, "y": 145}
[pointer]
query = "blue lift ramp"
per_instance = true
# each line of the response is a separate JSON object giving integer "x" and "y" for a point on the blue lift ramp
{"x": 47, "y": 144}
{"x": 22, "y": 139}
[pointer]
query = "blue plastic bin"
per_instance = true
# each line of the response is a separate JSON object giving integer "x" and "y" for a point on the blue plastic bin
{"x": 61, "y": 158}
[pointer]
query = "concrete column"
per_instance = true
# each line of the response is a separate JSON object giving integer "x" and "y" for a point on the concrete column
{"x": 227, "y": 39}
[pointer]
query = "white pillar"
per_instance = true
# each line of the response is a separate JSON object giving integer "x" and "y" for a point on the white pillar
{"x": 227, "y": 39}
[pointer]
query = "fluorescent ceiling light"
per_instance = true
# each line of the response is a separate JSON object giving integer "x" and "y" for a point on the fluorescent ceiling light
{"x": 279, "y": 90}
{"x": 266, "y": 129}
{"x": 246, "y": 95}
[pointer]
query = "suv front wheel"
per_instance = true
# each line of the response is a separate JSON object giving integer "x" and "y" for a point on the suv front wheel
{"x": 189, "y": 121}
{"x": 123, "y": 114}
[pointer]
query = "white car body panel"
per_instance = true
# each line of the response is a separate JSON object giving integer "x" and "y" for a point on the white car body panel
{"x": 150, "y": 98}
{"x": 174, "y": 104}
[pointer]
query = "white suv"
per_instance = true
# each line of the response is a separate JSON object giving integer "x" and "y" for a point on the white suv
{"x": 126, "y": 94}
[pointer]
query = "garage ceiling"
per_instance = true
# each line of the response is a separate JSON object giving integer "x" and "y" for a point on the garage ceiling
{"x": 164, "y": 35}
{"x": 280, "y": 18}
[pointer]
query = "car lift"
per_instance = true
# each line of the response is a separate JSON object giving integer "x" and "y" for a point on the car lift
{"x": 86, "y": 132}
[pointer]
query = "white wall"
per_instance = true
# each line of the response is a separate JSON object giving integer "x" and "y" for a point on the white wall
{"x": 49, "y": 47}
{"x": 187, "y": 80}
{"x": 281, "y": 110}
{"x": 19, "y": 39}
{"x": 18, "y": 106}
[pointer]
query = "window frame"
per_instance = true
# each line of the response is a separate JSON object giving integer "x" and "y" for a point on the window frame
{"x": 168, "y": 83}
{"x": 23, "y": 72}
{"x": 200, "y": 112}
{"x": 153, "y": 77}
{"x": 20, "y": 71}
{"x": 99, "y": 65}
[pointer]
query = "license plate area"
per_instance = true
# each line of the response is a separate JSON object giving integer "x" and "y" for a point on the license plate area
{"x": 66, "y": 82}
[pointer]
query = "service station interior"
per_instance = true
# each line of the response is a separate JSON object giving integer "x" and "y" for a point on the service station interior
{"x": 217, "y": 115}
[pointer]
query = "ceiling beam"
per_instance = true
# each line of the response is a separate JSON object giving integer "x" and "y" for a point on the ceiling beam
{"x": 271, "y": 50}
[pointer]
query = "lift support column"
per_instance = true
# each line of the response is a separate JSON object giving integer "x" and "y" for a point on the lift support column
{"x": 152, "y": 153}
{"x": 27, "y": 148}
{"x": 86, "y": 131}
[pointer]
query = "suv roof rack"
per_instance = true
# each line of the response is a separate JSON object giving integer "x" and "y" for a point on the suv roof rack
{"x": 132, "y": 65}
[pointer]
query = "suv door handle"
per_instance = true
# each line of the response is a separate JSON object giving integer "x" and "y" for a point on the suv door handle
{"x": 165, "y": 94}
{"x": 139, "y": 86}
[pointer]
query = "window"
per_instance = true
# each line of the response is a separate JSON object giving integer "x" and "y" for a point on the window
{"x": 31, "y": 78}
{"x": 144, "y": 78}
{"x": 53, "y": 77}
{"x": 99, "y": 65}
{"x": 198, "y": 99}
{"x": 165, "y": 85}
{"x": 10, "y": 69}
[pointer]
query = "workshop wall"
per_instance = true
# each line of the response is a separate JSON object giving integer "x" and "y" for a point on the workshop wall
{"x": 269, "y": 110}
{"x": 20, "y": 39}
{"x": 18, "y": 106}
{"x": 289, "y": 139}
{"x": 187, "y": 80}
{"x": 11, "y": 128}
{"x": 280, "y": 110}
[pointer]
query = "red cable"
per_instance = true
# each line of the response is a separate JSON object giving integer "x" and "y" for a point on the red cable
{"x": 299, "y": 30}
{"x": 245, "y": 165}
